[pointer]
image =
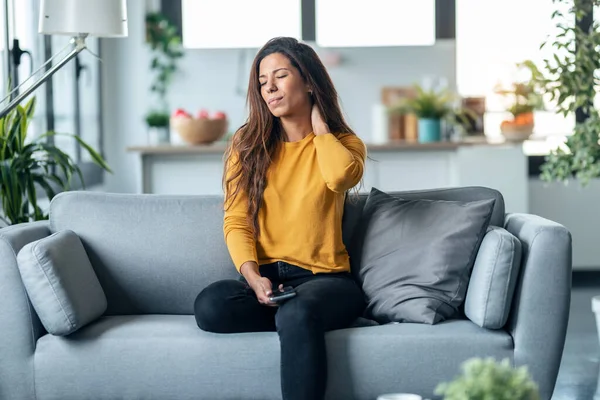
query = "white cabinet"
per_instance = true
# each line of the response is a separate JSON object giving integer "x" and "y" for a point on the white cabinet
{"x": 343, "y": 23}
{"x": 210, "y": 24}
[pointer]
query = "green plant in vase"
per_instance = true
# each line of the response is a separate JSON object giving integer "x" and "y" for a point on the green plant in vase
{"x": 487, "y": 379}
{"x": 27, "y": 166}
{"x": 158, "y": 123}
{"x": 431, "y": 107}
{"x": 524, "y": 97}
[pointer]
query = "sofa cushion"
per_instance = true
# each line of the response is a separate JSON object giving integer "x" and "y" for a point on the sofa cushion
{"x": 61, "y": 282}
{"x": 152, "y": 254}
{"x": 493, "y": 280}
{"x": 167, "y": 357}
{"x": 416, "y": 255}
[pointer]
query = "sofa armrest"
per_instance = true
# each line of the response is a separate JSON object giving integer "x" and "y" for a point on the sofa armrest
{"x": 20, "y": 324}
{"x": 540, "y": 311}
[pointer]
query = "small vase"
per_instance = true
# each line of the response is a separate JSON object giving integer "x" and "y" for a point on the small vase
{"x": 430, "y": 130}
{"x": 158, "y": 135}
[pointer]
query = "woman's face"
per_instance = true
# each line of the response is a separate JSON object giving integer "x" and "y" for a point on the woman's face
{"x": 282, "y": 87}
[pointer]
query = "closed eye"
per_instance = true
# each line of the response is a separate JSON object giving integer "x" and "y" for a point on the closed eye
{"x": 282, "y": 76}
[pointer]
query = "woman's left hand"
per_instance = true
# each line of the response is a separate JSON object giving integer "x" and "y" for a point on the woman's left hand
{"x": 318, "y": 124}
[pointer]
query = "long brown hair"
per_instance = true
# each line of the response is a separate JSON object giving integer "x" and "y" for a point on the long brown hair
{"x": 255, "y": 143}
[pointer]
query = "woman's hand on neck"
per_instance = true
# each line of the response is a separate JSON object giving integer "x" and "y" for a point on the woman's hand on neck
{"x": 296, "y": 128}
{"x": 319, "y": 126}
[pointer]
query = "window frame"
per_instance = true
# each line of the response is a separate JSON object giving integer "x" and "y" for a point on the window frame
{"x": 93, "y": 174}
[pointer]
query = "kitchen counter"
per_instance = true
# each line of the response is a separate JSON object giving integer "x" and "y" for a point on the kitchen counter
{"x": 391, "y": 166}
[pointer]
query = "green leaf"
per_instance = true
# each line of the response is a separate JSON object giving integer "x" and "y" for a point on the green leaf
{"x": 31, "y": 193}
{"x": 97, "y": 158}
{"x": 30, "y": 107}
{"x": 39, "y": 179}
{"x": 58, "y": 180}
{"x": 12, "y": 194}
{"x": 22, "y": 127}
{"x": 61, "y": 160}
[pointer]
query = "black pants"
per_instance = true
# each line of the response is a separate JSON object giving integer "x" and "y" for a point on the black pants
{"x": 323, "y": 302}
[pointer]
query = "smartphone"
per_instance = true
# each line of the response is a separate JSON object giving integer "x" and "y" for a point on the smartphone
{"x": 278, "y": 296}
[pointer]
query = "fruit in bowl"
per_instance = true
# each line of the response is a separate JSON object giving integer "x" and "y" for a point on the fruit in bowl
{"x": 202, "y": 114}
{"x": 180, "y": 113}
{"x": 219, "y": 115}
{"x": 203, "y": 129}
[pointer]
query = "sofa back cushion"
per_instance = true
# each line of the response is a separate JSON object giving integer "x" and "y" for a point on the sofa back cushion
{"x": 153, "y": 254}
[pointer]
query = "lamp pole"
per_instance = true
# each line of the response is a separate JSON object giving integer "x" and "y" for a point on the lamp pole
{"x": 78, "y": 46}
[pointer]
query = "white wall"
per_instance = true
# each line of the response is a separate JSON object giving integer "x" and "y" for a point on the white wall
{"x": 211, "y": 79}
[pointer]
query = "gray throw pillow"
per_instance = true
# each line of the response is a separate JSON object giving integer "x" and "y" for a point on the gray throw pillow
{"x": 61, "y": 283}
{"x": 415, "y": 256}
{"x": 493, "y": 280}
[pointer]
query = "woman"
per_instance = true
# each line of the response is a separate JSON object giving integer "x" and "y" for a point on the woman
{"x": 287, "y": 171}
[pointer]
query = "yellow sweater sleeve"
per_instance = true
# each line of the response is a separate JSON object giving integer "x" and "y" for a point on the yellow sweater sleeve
{"x": 341, "y": 160}
{"x": 238, "y": 233}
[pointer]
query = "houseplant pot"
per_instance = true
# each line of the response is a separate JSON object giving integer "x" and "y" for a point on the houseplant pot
{"x": 523, "y": 98}
{"x": 518, "y": 129}
{"x": 158, "y": 127}
{"x": 158, "y": 135}
{"x": 430, "y": 130}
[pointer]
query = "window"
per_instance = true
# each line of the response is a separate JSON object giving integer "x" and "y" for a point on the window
{"x": 343, "y": 23}
{"x": 69, "y": 110}
{"x": 76, "y": 100}
{"x": 238, "y": 23}
{"x": 491, "y": 37}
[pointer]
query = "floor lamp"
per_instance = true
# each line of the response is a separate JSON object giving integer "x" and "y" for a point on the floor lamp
{"x": 78, "y": 19}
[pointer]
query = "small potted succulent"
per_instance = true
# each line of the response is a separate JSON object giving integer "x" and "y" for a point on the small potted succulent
{"x": 484, "y": 379}
{"x": 158, "y": 127}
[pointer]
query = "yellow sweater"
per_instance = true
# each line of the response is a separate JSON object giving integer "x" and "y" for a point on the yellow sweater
{"x": 301, "y": 216}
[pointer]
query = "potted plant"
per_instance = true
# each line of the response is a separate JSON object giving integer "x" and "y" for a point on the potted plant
{"x": 570, "y": 78}
{"x": 158, "y": 127}
{"x": 29, "y": 165}
{"x": 524, "y": 96}
{"x": 165, "y": 46}
{"x": 483, "y": 379}
{"x": 431, "y": 107}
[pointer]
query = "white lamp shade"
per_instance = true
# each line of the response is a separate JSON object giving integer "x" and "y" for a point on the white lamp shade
{"x": 102, "y": 18}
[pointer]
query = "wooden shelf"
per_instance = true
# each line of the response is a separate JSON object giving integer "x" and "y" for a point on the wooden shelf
{"x": 399, "y": 145}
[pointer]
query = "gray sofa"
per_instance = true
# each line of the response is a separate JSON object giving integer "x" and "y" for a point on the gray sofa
{"x": 153, "y": 254}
